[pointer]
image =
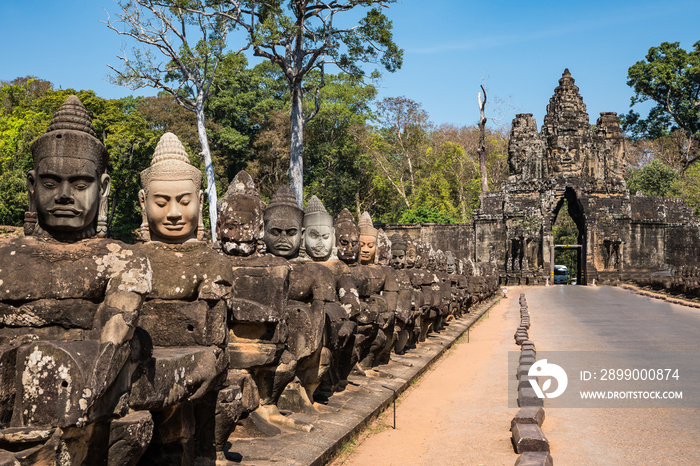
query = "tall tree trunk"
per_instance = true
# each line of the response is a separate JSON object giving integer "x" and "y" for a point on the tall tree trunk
{"x": 296, "y": 150}
{"x": 208, "y": 165}
{"x": 482, "y": 142}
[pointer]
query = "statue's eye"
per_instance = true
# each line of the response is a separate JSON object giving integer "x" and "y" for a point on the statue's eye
{"x": 161, "y": 203}
{"x": 292, "y": 232}
{"x": 49, "y": 184}
{"x": 80, "y": 186}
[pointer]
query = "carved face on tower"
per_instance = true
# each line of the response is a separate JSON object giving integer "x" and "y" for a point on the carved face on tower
{"x": 171, "y": 198}
{"x": 239, "y": 225}
{"x": 68, "y": 188}
{"x": 398, "y": 251}
{"x": 368, "y": 239}
{"x": 347, "y": 237}
{"x": 319, "y": 234}
{"x": 283, "y": 224}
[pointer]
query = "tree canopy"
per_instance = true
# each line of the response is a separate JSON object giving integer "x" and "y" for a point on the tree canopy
{"x": 669, "y": 76}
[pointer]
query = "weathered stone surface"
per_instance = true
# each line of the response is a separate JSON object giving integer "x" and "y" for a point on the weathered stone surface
{"x": 128, "y": 438}
{"x": 188, "y": 323}
{"x": 535, "y": 458}
{"x": 528, "y": 415}
{"x": 8, "y": 459}
{"x": 528, "y": 397}
{"x": 176, "y": 374}
{"x": 529, "y": 437}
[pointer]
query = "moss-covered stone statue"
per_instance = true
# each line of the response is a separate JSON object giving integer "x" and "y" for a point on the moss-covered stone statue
{"x": 69, "y": 304}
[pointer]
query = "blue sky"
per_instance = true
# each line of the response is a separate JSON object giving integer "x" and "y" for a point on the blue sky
{"x": 518, "y": 48}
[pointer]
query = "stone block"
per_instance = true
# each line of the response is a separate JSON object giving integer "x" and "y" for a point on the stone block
{"x": 243, "y": 355}
{"x": 528, "y": 415}
{"x": 8, "y": 459}
{"x": 529, "y": 437}
{"x": 528, "y": 397}
{"x": 535, "y": 458}
{"x": 522, "y": 371}
{"x": 527, "y": 360}
{"x": 175, "y": 374}
{"x": 129, "y": 437}
{"x": 183, "y": 323}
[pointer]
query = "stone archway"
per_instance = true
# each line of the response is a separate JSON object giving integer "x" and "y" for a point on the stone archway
{"x": 568, "y": 158}
{"x": 577, "y": 214}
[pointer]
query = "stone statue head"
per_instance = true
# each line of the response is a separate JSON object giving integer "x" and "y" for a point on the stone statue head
{"x": 383, "y": 255}
{"x": 398, "y": 251}
{"x": 451, "y": 262}
{"x": 239, "y": 225}
{"x": 171, "y": 198}
{"x": 421, "y": 253}
{"x": 68, "y": 187}
{"x": 368, "y": 239}
{"x": 283, "y": 224}
{"x": 347, "y": 237}
{"x": 431, "y": 263}
{"x": 440, "y": 261}
{"x": 411, "y": 253}
{"x": 319, "y": 233}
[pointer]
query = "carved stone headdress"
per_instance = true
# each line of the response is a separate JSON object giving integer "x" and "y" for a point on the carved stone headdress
{"x": 71, "y": 135}
{"x": 284, "y": 203}
{"x": 366, "y": 226}
{"x": 316, "y": 214}
{"x": 170, "y": 163}
{"x": 398, "y": 243}
{"x": 345, "y": 220}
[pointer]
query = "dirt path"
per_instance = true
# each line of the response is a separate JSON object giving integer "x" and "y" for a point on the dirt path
{"x": 458, "y": 412}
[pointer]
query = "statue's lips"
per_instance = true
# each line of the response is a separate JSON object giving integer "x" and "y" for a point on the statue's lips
{"x": 283, "y": 246}
{"x": 64, "y": 212}
{"x": 174, "y": 226}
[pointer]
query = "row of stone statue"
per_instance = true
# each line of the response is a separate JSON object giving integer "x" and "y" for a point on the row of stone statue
{"x": 151, "y": 353}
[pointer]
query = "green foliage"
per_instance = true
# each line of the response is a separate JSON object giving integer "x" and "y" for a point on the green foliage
{"x": 337, "y": 170}
{"x": 425, "y": 214}
{"x": 670, "y": 77}
{"x": 13, "y": 197}
{"x": 653, "y": 179}
{"x": 687, "y": 187}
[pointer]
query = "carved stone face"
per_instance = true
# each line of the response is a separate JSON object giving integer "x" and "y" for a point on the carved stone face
{"x": 348, "y": 243}
{"x": 411, "y": 257}
{"x": 318, "y": 240}
{"x": 67, "y": 193}
{"x": 172, "y": 208}
{"x": 239, "y": 231}
{"x": 283, "y": 236}
{"x": 368, "y": 248}
{"x": 398, "y": 258}
{"x": 451, "y": 264}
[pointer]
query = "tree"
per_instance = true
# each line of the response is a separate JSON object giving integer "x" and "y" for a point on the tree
{"x": 482, "y": 140}
{"x": 687, "y": 187}
{"x": 400, "y": 144}
{"x": 670, "y": 77}
{"x": 193, "y": 46}
{"x": 653, "y": 179}
{"x": 303, "y": 35}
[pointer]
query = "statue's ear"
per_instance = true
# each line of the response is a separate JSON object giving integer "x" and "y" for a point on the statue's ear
{"x": 31, "y": 183}
{"x": 104, "y": 185}
{"x": 142, "y": 199}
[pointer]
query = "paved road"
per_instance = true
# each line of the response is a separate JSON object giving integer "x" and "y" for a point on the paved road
{"x": 611, "y": 319}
